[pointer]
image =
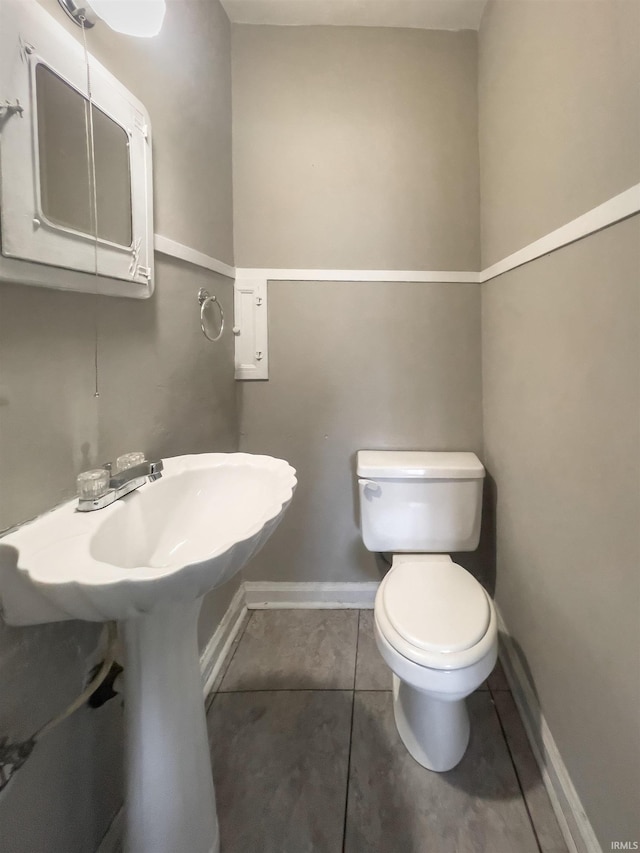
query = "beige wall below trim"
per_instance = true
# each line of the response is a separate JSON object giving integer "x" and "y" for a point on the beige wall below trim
{"x": 355, "y": 148}
{"x": 559, "y": 132}
{"x": 356, "y": 365}
{"x": 163, "y": 389}
{"x": 64, "y": 796}
{"x": 561, "y": 376}
{"x": 559, "y": 128}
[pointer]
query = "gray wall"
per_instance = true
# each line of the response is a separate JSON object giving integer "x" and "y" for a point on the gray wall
{"x": 559, "y": 121}
{"x": 163, "y": 389}
{"x": 355, "y": 148}
{"x": 559, "y": 89}
{"x": 356, "y": 365}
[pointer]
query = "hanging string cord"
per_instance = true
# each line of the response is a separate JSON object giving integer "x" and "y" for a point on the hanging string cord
{"x": 109, "y": 659}
{"x": 93, "y": 194}
{"x": 14, "y": 754}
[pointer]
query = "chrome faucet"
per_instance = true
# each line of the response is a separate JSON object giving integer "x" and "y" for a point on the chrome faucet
{"x": 99, "y": 487}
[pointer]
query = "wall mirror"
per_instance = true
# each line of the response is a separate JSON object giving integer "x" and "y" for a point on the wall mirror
{"x": 66, "y": 167}
{"x": 75, "y": 165}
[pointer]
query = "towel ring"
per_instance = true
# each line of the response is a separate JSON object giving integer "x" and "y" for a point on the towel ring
{"x": 204, "y": 299}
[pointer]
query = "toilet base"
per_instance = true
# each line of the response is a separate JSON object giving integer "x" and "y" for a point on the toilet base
{"x": 435, "y": 732}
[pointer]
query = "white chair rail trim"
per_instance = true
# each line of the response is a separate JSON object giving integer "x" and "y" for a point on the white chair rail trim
{"x": 615, "y": 209}
{"x": 173, "y": 249}
{"x": 620, "y": 207}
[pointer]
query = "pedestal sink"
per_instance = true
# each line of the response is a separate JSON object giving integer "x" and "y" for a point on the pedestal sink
{"x": 146, "y": 561}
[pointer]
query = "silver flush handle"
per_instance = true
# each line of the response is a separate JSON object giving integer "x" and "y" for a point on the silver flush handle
{"x": 371, "y": 488}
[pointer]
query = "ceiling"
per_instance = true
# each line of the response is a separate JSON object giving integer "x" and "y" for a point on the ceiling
{"x": 421, "y": 14}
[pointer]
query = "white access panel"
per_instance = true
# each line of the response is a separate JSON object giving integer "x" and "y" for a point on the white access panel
{"x": 251, "y": 328}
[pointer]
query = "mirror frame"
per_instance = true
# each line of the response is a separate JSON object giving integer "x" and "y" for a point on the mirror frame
{"x": 34, "y": 251}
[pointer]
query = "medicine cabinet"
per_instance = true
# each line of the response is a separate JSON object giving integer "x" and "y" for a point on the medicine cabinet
{"x": 75, "y": 164}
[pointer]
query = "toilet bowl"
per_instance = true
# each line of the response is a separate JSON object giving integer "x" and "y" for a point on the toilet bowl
{"x": 438, "y": 659}
{"x": 435, "y": 625}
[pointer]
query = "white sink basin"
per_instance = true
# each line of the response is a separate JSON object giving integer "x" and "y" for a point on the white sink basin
{"x": 146, "y": 561}
{"x": 172, "y": 540}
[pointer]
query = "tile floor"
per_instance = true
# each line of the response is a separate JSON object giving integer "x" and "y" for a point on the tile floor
{"x": 306, "y": 757}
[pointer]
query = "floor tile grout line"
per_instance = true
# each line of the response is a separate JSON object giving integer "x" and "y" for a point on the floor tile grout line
{"x": 227, "y": 664}
{"x": 353, "y": 708}
{"x": 295, "y": 689}
{"x": 289, "y": 689}
{"x": 355, "y": 659}
{"x": 348, "y": 775}
{"x": 374, "y": 690}
{"x": 515, "y": 770}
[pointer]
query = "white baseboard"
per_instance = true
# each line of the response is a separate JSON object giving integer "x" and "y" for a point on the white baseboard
{"x": 112, "y": 840}
{"x": 216, "y": 650}
{"x": 574, "y": 823}
{"x": 258, "y": 596}
{"x": 331, "y": 596}
{"x": 254, "y": 595}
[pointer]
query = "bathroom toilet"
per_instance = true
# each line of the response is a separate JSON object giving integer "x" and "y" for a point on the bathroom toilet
{"x": 435, "y": 625}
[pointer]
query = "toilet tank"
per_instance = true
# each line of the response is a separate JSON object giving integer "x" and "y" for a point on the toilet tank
{"x": 421, "y": 501}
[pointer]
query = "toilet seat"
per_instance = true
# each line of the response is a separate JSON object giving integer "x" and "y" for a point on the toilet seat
{"x": 437, "y": 616}
{"x": 438, "y": 607}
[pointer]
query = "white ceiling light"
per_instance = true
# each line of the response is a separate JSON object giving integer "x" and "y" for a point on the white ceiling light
{"x": 131, "y": 17}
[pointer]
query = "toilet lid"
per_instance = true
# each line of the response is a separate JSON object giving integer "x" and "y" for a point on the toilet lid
{"x": 438, "y": 607}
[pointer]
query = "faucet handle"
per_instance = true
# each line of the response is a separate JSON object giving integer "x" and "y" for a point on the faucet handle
{"x": 155, "y": 470}
{"x": 128, "y": 460}
{"x": 93, "y": 484}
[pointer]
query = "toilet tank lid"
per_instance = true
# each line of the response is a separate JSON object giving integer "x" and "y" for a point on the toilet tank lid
{"x": 424, "y": 464}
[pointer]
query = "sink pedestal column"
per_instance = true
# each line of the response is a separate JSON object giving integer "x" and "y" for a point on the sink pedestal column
{"x": 170, "y": 801}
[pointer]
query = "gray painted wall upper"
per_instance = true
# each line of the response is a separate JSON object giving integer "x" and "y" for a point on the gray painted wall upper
{"x": 355, "y": 148}
{"x": 163, "y": 389}
{"x": 559, "y": 123}
{"x": 559, "y": 89}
